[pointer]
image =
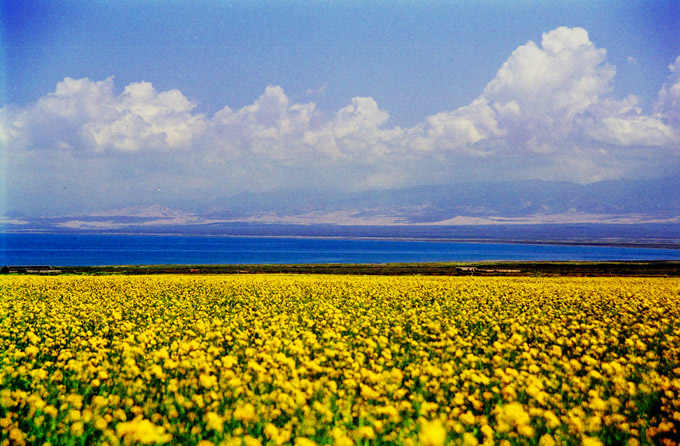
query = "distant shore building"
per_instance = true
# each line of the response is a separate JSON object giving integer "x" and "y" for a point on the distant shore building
{"x": 467, "y": 269}
{"x": 30, "y": 269}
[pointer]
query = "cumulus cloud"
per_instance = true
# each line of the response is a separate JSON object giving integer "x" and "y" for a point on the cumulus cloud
{"x": 270, "y": 127}
{"x": 668, "y": 105}
{"x": 143, "y": 117}
{"x": 459, "y": 130}
{"x": 83, "y": 115}
{"x": 621, "y": 123}
{"x": 548, "y": 98}
{"x": 539, "y": 91}
{"x": 548, "y": 113}
{"x": 354, "y": 133}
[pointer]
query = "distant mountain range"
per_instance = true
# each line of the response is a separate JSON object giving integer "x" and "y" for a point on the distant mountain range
{"x": 520, "y": 202}
{"x": 516, "y": 203}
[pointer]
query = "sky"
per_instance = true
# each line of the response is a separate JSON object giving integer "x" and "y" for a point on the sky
{"x": 108, "y": 104}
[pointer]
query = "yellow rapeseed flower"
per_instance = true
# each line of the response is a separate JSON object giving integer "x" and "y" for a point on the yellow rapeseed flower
{"x": 245, "y": 413}
{"x": 512, "y": 416}
{"x": 77, "y": 428}
{"x": 590, "y": 441}
{"x": 467, "y": 418}
{"x": 546, "y": 440}
{"x": 337, "y": 359}
{"x": 432, "y": 433}
{"x": 143, "y": 431}
{"x": 469, "y": 440}
{"x": 365, "y": 432}
{"x": 302, "y": 441}
{"x": 214, "y": 421}
{"x": 17, "y": 436}
{"x": 249, "y": 440}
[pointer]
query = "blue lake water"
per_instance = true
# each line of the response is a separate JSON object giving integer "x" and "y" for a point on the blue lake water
{"x": 90, "y": 250}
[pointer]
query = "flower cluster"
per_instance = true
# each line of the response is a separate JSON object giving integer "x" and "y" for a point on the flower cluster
{"x": 338, "y": 360}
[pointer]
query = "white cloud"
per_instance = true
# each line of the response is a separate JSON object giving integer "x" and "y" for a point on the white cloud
{"x": 539, "y": 91}
{"x": 12, "y": 221}
{"x": 668, "y": 104}
{"x": 460, "y": 129}
{"x": 548, "y": 113}
{"x": 86, "y": 116}
{"x": 270, "y": 127}
{"x": 564, "y": 38}
{"x": 353, "y": 134}
{"x": 621, "y": 123}
{"x": 146, "y": 118}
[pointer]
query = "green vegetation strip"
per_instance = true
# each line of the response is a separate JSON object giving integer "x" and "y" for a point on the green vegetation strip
{"x": 576, "y": 269}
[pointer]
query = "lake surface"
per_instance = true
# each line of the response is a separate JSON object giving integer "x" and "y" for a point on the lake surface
{"x": 91, "y": 250}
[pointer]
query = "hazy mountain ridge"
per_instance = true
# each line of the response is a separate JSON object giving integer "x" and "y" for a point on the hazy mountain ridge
{"x": 520, "y": 202}
{"x": 653, "y": 199}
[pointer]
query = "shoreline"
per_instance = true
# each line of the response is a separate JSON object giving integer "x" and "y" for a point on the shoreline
{"x": 671, "y": 244}
{"x": 652, "y": 268}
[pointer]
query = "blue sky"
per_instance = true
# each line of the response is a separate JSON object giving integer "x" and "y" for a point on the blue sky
{"x": 414, "y": 58}
{"x": 103, "y": 100}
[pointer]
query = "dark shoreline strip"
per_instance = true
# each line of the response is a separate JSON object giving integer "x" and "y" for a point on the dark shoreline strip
{"x": 521, "y": 269}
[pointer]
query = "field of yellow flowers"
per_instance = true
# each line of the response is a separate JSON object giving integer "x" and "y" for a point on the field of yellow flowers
{"x": 342, "y": 360}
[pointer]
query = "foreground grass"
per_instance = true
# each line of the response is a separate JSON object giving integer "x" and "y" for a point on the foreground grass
{"x": 304, "y": 360}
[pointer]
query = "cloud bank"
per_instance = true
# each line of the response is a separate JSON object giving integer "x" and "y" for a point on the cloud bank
{"x": 548, "y": 113}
